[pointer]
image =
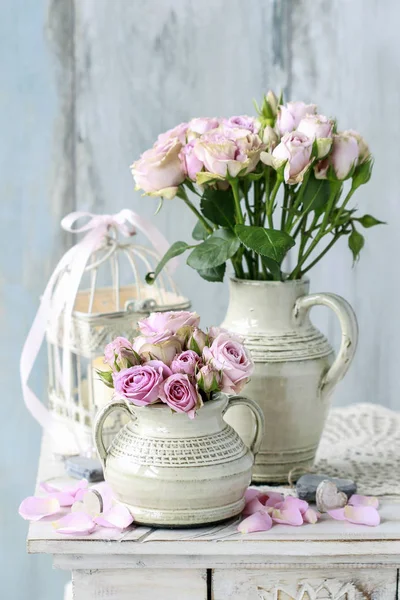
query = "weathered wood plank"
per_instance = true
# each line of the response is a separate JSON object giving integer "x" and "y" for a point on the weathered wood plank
{"x": 343, "y": 57}
{"x": 141, "y": 584}
{"x": 144, "y": 67}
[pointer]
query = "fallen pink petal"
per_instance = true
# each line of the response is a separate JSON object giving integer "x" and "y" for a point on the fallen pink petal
{"x": 292, "y": 502}
{"x": 311, "y": 516}
{"x": 260, "y": 521}
{"x": 337, "y": 514}
{"x": 357, "y": 500}
{"x": 253, "y": 506}
{"x": 69, "y": 488}
{"x": 273, "y": 499}
{"x": 362, "y": 515}
{"x": 63, "y": 498}
{"x": 287, "y": 516}
{"x": 75, "y": 523}
{"x": 34, "y": 509}
{"x": 118, "y": 516}
{"x": 250, "y": 494}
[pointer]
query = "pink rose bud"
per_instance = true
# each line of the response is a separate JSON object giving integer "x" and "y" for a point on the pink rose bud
{"x": 160, "y": 346}
{"x": 290, "y": 115}
{"x": 295, "y": 152}
{"x": 344, "y": 155}
{"x": 364, "y": 153}
{"x": 186, "y": 362}
{"x": 229, "y": 356}
{"x": 208, "y": 379}
{"x": 316, "y": 126}
{"x": 180, "y": 394}
{"x": 197, "y": 340}
{"x": 119, "y": 354}
{"x": 270, "y": 137}
{"x": 172, "y": 321}
{"x": 140, "y": 384}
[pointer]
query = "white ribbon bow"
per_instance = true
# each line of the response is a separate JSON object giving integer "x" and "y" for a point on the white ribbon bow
{"x": 75, "y": 260}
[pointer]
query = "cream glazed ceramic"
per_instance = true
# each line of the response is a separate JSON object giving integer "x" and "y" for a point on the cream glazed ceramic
{"x": 174, "y": 471}
{"x": 295, "y": 369}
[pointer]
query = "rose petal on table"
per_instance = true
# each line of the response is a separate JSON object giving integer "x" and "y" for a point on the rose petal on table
{"x": 311, "y": 516}
{"x": 64, "y": 498}
{"x": 287, "y": 516}
{"x": 252, "y": 507}
{"x": 68, "y": 488}
{"x": 357, "y": 500}
{"x": 362, "y": 515}
{"x": 75, "y": 523}
{"x": 118, "y": 516}
{"x": 292, "y": 502}
{"x": 260, "y": 521}
{"x": 337, "y": 514}
{"x": 273, "y": 499}
{"x": 250, "y": 494}
{"x": 34, "y": 509}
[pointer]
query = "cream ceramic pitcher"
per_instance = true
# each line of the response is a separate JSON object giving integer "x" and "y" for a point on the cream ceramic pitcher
{"x": 173, "y": 471}
{"x": 296, "y": 369}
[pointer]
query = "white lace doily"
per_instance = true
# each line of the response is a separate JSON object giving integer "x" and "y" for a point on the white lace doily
{"x": 362, "y": 442}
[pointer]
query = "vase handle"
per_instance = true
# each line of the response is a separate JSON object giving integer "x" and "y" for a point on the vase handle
{"x": 99, "y": 424}
{"x": 259, "y": 419}
{"x": 349, "y": 327}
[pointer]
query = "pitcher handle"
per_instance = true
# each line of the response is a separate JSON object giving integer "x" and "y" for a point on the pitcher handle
{"x": 259, "y": 419}
{"x": 349, "y": 327}
{"x": 99, "y": 424}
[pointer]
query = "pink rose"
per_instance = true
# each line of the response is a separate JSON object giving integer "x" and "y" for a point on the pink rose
{"x": 228, "y": 355}
{"x": 190, "y": 161}
{"x": 119, "y": 354}
{"x": 197, "y": 340}
{"x": 243, "y": 122}
{"x": 186, "y": 362}
{"x": 342, "y": 159}
{"x": 140, "y": 384}
{"x": 227, "y": 151}
{"x": 290, "y": 115}
{"x": 209, "y": 380}
{"x": 364, "y": 153}
{"x": 200, "y": 125}
{"x": 159, "y": 171}
{"x": 160, "y": 346}
{"x": 179, "y": 132}
{"x": 180, "y": 394}
{"x": 158, "y": 364}
{"x": 172, "y": 321}
{"x": 294, "y": 149}
{"x": 316, "y": 126}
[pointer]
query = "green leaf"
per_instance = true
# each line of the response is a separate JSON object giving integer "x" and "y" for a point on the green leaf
{"x": 369, "y": 221}
{"x": 362, "y": 173}
{"x": 214, "y": 251}
{"x": 219, "y": 207}
{"x": 273, "y": 267}
{"x": 316, "y": 194}
{"x": 175, "y": 250}
{"x": 267, "y": 242}
{"x": 356, "y": 244}
{"x": 255, "y": 176}
{"x": 106, "y": 377}
{"x": 199, "y": 232}
{"x": 215, "y": 274}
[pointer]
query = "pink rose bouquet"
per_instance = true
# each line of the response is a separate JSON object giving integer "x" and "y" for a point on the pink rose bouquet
{"x": 176, "y": 363}
{"x": 261, "y": 187}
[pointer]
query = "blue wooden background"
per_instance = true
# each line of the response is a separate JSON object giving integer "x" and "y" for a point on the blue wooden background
{"x": 86, "y": 85}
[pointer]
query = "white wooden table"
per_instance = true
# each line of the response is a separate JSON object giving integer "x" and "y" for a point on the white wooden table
{"x": 330, "y": 560}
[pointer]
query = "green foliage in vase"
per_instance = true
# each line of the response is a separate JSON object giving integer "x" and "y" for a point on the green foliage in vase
{"x": 261, "y": 187}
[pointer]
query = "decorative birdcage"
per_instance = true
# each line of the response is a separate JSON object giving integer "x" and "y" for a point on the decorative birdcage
{"x": 110, "y": 298}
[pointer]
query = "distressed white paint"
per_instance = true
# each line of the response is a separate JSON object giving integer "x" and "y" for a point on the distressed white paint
{"x": 359, "y": 561}
{"x": 76, "y": 112}
{"x": 296, "y": 585}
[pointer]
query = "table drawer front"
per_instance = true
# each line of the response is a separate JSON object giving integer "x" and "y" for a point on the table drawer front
{"x": 312, "y": 584}
{"x": 140, "y": 584}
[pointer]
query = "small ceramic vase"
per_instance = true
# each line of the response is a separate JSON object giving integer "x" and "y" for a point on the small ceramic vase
{"x": 173, "y": 471}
